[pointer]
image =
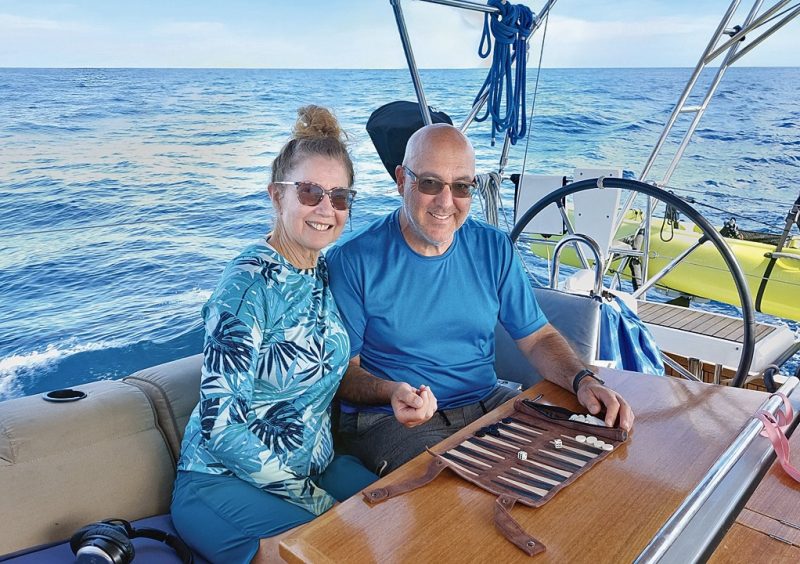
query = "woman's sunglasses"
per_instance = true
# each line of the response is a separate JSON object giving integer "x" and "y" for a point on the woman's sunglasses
{"x": 311, "y": 194}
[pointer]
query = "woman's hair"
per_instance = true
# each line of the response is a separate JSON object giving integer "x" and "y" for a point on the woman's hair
{"x": 316, "y": 133}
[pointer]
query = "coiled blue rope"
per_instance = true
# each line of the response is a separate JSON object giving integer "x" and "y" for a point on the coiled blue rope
{"x": 510, "y": 29}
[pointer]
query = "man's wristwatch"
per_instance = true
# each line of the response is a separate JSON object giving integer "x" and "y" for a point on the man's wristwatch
{"x": 576, "y": 381}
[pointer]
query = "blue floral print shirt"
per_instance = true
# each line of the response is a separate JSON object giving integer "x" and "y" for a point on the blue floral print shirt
{"x": 275, "y": 352}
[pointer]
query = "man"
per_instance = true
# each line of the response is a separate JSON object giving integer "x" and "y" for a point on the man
{"x": 420, "y": 292}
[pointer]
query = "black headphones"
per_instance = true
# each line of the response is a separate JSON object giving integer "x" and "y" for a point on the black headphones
{"x": 109, "y": 542}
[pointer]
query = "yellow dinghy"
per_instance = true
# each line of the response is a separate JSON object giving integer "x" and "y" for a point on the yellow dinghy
{"x": 703, "y": 273}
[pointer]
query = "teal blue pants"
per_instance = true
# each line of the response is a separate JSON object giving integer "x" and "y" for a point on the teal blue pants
{"x": 223, "y": 518}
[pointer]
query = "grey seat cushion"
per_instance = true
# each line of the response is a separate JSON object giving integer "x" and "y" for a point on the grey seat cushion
{"x": 173, "y": 389}
{"x": 576, "y": 317}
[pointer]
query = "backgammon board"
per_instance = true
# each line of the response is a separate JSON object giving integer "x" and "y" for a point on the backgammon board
{"x": 533, "y": 453}
{"x": 526, "y": 457}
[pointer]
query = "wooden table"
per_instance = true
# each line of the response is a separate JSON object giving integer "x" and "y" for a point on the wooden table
{"x": 607, "y": 515}
{"x": 768, "y": 528}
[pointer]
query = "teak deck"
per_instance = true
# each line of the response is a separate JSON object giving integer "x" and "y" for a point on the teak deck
{"x": 700, "y": 322}
{"x": 608, "y": 515}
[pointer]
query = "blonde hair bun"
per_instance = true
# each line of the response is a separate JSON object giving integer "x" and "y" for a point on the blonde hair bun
{"x": 316, "y": 133}
{"x": 314, "y": 122}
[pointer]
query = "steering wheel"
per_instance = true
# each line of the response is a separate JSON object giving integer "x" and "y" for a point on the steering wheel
{"x": 708, "y": 234}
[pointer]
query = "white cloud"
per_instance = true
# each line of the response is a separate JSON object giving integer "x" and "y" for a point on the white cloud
{"x": 574, "y": 29}
{"x": 10, "y": 23}
{"x": 451, "y": 43}
{"x": 193, "y": 29}
{"x": 442, "y": 37}
{"x": 649, "y": 42}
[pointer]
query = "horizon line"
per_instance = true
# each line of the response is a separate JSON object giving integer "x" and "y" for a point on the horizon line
{"x": 92, "y": 67}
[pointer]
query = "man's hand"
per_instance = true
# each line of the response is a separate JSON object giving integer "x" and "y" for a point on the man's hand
{"x": 594, "y": 396}
{"x": 555, "y": 360}
{"x": 413, "y": 407}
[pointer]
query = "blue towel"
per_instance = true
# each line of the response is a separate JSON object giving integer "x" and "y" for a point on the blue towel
{"x": 624, "y": 338}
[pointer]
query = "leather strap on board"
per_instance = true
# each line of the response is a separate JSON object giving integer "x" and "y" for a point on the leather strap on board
{"x": 511, "y": 529}
{"x": 376, "y": 495}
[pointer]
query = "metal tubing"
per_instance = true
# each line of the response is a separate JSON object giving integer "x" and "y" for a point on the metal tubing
{"x": 474, "y": 111}
{"x": 598, "y": 260}
{"x": 782, "y": 256}
{"x": 666, "y": 270}
{"x": 504, "y": 154}
{"x": 616, "y": 279}
{"x": 687, "y": 90}
{"x": 789, "y": 17}
{"x": 571, "y": 230}
{"x": 682, "y": 372}
{"x": 613, "y": 250}
{"x": 543, "y": 13}
{"x": 726, "y": 63}
{"x": 747, "y": 28}
{"x": 412, "y": 64}
{"x": 678, "y": 521}
{"x": 623, "y": 210}
{"x": 622, "y": 252}
{"x": 648, "y": 214}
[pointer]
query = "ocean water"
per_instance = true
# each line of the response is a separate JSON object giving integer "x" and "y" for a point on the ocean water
{"x": 124, "y": 192}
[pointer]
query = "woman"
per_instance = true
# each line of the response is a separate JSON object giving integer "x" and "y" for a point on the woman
{"x": 257, "y": 458}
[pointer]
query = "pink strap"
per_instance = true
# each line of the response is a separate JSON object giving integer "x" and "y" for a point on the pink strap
{"x": 784, "y": 416}
{"x": 774, "y": 430}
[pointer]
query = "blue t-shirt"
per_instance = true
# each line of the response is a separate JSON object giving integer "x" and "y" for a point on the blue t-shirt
{"x": 431, "y": 320}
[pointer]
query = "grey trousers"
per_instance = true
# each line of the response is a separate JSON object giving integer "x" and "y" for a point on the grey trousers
{"x": 383, "y": 444}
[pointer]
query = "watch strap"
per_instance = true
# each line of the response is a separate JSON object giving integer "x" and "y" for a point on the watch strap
{"x": 576, "y": 381}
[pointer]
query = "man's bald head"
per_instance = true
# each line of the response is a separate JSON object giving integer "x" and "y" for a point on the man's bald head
{"x": 438, "y": 158}
{"x": 435, "y": 137}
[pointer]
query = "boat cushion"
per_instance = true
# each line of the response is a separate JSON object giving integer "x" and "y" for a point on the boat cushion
{"x": 63, "y": 465}
{"x": 146, "y": 550}
{"x": 577, "y": 318}
{"x": 174, "y": 390}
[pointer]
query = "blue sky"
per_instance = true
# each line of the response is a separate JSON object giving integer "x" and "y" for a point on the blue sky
{"x": 354, "y": 34}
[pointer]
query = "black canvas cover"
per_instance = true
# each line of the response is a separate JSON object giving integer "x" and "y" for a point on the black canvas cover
{"x": 392, "y": 124}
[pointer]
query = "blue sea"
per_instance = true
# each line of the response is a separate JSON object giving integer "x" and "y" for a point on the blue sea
{"x": 124, "y": 192}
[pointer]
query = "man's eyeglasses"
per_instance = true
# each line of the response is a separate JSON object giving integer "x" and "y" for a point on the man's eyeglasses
{"x": 434, "y": 186}
{"x": 311, "y": 194}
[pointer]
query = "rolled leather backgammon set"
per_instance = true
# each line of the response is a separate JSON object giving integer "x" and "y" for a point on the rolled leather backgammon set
{"x": 527, "y": 458}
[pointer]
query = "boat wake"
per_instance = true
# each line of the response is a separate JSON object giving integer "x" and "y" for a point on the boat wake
{"x": 69, "y": 364}
{"x": 16, "y": 368}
